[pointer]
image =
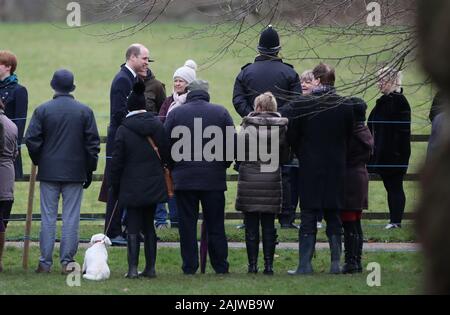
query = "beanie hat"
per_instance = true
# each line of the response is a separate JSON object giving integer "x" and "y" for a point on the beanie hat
{"x": 186, "y": 72}
{"x": 198, "y": 85}
{"x": 269, "y": 41}
{"x": 136, "y": 99}
{"x": 62, "y": 81}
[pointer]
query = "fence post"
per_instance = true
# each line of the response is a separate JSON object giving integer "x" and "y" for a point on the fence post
{"x": 26, "y": 237}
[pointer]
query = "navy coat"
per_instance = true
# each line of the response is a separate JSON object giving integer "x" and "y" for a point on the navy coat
{"x": 319, "y": 131}
{"x": 266, "y": 74}
{"x": 199, "y": 175}
{"x": 63, "y": 140}
{"x": 15, "y": 98}
{"x": 120, "y": 90}
{"x": 136, "y": 170}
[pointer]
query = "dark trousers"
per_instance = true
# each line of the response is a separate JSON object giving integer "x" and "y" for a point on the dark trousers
{"x": 213, "y": 208}
{"x": 252, "y": 220}
{"x": 141, "y": 219}
{"x": 308, "y": 223}
{"x": 115, "y": 227}
{"x": 5, "y": 212}
{"x": 289, "y": 176}
{"x": 396, "y": 196}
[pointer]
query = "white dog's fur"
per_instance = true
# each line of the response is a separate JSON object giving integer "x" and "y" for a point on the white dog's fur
{"x": 95, "y": 265}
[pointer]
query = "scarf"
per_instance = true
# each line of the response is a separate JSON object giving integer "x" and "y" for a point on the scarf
{"x": 177, "y": 101}
{"x": 324, "y": 89}
{"x": 9, "y": 80}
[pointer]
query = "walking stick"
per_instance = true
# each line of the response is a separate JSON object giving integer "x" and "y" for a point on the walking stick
{"x": 26, "y": 237}
{"x": 203, "y": 248}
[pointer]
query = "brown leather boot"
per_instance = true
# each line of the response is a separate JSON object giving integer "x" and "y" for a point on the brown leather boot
{"x": 2, "y": 246}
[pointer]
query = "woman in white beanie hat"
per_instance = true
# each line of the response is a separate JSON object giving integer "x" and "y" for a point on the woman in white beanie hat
{"x": 181, "y": 79}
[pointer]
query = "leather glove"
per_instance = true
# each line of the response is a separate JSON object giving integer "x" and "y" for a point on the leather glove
{"x": 88, "y": 181}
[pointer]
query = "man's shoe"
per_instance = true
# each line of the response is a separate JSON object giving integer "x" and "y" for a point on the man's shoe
{"x": 65, "y": 270}
{"x": 41, "y": 269}
{"x": 118, "y": 241}
{"x": 392, "y": 226}
{"x": 162, "y": 226}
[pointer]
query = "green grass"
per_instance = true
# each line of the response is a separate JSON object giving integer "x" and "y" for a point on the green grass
{"x": 400, "y": 274}
{"x": 43, "y": 48}
{"x": 373, "y": 232}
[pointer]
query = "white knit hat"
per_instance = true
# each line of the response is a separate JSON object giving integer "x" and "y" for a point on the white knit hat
{"x": 186, "y": 72}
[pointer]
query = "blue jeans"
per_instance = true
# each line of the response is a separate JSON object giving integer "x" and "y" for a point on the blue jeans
{"x": 161, "y": 212}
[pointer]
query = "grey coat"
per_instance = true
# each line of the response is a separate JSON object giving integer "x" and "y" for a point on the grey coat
{"x": 7, "y": 157}
{"x": 258, "y": 190}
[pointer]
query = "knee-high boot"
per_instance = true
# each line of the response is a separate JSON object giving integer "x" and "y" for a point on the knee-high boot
{"x": 2, "y": 247}
{"x": 269, "y": 243}
{"x": 133, "y": 247}
{"x": 306, "y": 248}
{"x": 252, "y": 245}
{"x": 335, "y": 241}
{"x": 150, "y": 248}
{"x": 350, "y": 247}
{"x": 359, "y": 247}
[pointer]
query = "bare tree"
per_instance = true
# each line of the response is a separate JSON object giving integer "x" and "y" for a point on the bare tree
{"x": 319, "y": 24}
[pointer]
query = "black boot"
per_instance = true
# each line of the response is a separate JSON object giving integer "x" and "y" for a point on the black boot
{"x": 252, "y": 244}
{"x": 335, "y": 241}
{"x": 133, "y": 256}
{"x": 359, "y": 247}
{"x": 350, "y": 247}
{"x": 150, "y": 246}
{"x": 269, "y": 243}
{"x": 306, "y": 248}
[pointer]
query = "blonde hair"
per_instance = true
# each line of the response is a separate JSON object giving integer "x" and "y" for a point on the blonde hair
{"x": 266, "y": 102}
{"x": 393, "y": 76}
{"x": 306, "y": 76}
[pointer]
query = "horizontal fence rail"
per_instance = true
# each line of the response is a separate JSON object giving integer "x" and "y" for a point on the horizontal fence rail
{"x": 234, "y": 178}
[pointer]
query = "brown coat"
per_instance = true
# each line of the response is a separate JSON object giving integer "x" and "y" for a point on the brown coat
{"x": 7, "y": 158}
{"x": 360, "y": 148}
{"x": 155, "y": 93}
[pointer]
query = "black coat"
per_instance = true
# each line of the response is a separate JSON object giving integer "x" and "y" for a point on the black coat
{"x": 392, "y": 140}
{"x": 62, "y": 139}
{"x": 265, "y": 74}
{"x": 319, "y": 130}
{"x": 257, "y": 190}
{"x": 15, "y": 98}
{"x": 136, "y": 170}
{"x": 120, "y": 90}
{"x": 189, "y": 174}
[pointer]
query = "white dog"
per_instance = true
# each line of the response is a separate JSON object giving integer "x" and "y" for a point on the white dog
{"x": 95, "y": 265}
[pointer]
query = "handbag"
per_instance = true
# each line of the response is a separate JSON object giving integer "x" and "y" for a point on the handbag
{"x": 167, "y": 174}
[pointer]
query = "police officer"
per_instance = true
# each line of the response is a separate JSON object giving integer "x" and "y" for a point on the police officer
{"x": 269, "y": 74}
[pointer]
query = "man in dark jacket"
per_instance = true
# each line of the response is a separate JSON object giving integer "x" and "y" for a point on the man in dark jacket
{"x": 63, "y": 141}
{"x": 269, "y": 73}
{"x": 137, "y": 59}
{"x": 189, "y": 122}
{"x": 15, "y": 98}
{"x": 155, "y": 91}
{"x": 320, "y": 128}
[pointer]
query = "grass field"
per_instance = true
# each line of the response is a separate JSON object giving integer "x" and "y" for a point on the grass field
{"x": 400, "y": 274}
{"x": 43, "y": 48}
